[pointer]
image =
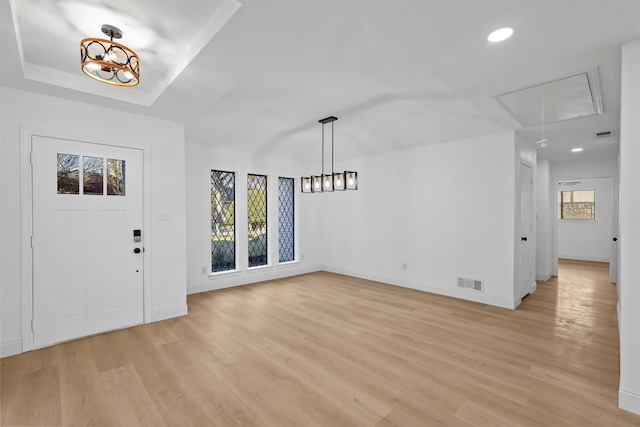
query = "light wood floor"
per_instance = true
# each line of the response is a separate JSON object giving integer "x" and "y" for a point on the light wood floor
{"x": 329, "y": 350}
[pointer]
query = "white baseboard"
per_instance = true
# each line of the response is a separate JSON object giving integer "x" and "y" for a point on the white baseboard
{"x": 584, "y": 258}
{"x": 10, "y": 348}
{"x": 244, "y": 278}
{"x": 429, "y": 287}
{"x": 629, "y": 401}
{"x": 543, "y": 277}
{"x": 168, "y": 313}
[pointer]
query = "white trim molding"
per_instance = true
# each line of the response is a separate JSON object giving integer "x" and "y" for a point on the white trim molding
{"x": 168, "y": 313}
{"x": 10, "y": 348}
{"x": 629, "y": 401}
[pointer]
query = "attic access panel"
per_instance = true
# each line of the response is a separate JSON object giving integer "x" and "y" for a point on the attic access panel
{"x": 564, "y": 99}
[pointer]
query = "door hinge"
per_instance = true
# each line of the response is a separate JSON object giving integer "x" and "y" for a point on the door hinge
{"x": 32, "y": 329}
{"x": 31, "y": 242}
{"x": 31, "y": 157}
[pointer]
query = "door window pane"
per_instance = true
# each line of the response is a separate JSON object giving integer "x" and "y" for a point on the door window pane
{"x": 257, "y": 219}
{"x": 223, "y": 222}
{"x": 285, "y": 220}
{"x": 115, "y": 177}
{"x": 68, "y": 174}
{"x": 92, "y": 175}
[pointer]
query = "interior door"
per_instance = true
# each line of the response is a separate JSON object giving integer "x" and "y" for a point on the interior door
{"x": 87, "y": 268}
{"x": 527, "y": 248}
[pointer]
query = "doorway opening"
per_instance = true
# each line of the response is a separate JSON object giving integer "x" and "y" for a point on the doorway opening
{"x": 585, "y": 223}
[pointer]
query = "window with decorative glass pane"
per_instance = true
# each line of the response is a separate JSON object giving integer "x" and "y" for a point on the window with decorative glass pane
{"x": 257, "y": 219}
{"x": 223, "y": 222}
{"x": 577, "y": 204}
{"x": 286, "y": 220}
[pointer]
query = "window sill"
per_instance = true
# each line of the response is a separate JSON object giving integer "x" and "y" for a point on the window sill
{"x": 218, "y": 274}
{"x": 289, "y": 264}
{"x": 259, "y": 268}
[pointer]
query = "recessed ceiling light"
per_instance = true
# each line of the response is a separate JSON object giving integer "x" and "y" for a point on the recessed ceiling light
{"x": 500, "y": 35}
{"x": 576, "y": 150}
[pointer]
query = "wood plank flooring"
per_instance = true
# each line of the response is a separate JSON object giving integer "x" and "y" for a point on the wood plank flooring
{"x": 329, "y": 350}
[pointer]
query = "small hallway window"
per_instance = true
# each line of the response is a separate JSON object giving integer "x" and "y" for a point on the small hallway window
{"x": 577, "y": 204}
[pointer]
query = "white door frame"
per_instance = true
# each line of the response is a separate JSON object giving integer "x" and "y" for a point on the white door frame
{"x": 530, "y": 287}
{"x": 26, "y": 223}
{"x": 554, "y": 206}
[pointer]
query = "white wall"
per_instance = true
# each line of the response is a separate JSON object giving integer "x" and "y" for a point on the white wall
{"x": 589, "y": 240}
{"x": 629, "y": 279}
{"x": 163, "y": 145}
{"x": 201, "y": 160}
{"x": 446, "y": 210}
{"x": 544, "y": 220}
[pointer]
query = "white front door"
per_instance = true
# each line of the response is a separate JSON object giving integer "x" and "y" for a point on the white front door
{"x": 527, "y": 248}
{"x": 87, "y": 269}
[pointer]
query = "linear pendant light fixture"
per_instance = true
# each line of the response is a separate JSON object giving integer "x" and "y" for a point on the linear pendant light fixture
{"x": 333, "y": 181}
{"x": 108, "y": 61}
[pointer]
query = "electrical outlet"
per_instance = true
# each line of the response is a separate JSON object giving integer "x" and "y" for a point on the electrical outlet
{"x": 204, "y": 270}
{"x": 404, "y": 265}
{"x": 301, "y": 257}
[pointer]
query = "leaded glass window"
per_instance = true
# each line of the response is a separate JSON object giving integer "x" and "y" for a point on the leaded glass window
{"x": 285, "y": 220}
{"x": 223, "y": 222}
{"x": 257, "y": 219}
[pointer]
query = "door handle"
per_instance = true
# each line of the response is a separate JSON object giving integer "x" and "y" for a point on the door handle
{"x": 615, "y": 239}
{"x": 136, "y": 251}
{"x": 524, "y": 239}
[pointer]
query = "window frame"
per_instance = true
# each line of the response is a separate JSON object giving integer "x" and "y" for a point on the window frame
{"x": 293, "y": 221}
{"x": 561, "y": 203}
{"x": 267, "y": 256}
{"x": 235, "y": 225}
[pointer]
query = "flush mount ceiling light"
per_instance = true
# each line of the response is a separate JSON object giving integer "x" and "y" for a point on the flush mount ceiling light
{"x": 500, "y": 35}
{"x": 577, "y": 150}
{"x": 334, "y": 181}
{"x": 108, "y": 61}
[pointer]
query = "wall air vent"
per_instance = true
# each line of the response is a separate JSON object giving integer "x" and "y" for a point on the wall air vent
{"x": 470, "y": 284}
{"x": 604, "y": 134}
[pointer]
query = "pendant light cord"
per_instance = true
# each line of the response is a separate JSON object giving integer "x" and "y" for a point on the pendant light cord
{"x": 322, "y": 156}
{"x": 331, "y": 150}
{"x": 542, "y": 119}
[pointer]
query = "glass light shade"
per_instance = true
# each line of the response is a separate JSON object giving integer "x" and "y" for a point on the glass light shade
{"x": 306, "y": 184}
{"x": 339, "y": 181}
{"x": 109, "y": 62}
{"x": 351, "y": 182}
{"x": 316, "y": 182}
{"x": 327, "y": 183}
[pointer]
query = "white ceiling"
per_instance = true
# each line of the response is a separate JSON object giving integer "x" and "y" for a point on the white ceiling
{"x": 258, "y": 75}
